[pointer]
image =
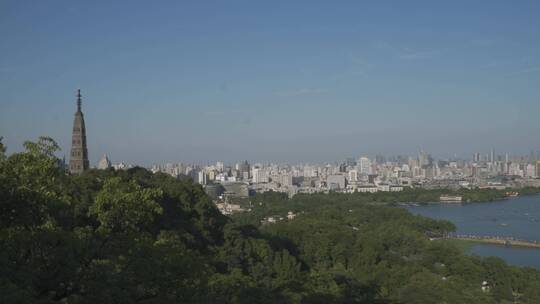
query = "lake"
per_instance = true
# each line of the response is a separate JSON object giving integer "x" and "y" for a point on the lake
{"x": 517, "y": 217}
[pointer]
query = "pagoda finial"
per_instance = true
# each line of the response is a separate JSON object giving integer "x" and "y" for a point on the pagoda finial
{"x": 79, "y": 102}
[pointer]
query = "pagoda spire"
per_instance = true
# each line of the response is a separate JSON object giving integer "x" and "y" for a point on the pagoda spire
{"x": 79, "y": 101}
{"x": 79, "y": 151}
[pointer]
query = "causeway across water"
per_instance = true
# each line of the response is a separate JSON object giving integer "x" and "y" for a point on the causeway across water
{"x": 496, "y": 240}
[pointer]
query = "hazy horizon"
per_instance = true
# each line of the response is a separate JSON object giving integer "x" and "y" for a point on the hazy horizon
{"x": 280, "y": 81}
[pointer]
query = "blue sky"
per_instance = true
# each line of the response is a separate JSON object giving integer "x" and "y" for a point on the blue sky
{"x": 201, "y": 81}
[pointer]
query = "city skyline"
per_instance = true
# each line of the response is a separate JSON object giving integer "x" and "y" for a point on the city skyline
{"x": 477, "y": 157}
{"x": 278, "y": 83}
{"x": 489, "y": 171}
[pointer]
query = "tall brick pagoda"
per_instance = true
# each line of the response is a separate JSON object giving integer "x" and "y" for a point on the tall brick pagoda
{"x": 79, "y": 151}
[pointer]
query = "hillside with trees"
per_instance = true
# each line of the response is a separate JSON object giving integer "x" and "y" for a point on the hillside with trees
{"x": 131, "y": 236}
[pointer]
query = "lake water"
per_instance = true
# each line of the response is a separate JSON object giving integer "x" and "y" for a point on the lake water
{"x": 516, "y": 217}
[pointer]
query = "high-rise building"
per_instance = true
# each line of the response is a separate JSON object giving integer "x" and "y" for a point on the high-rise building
{"x": 364, "y": 165}
{"x": 79, "y": 151}
{"x": 530, "y": 170}
{"x": 104, "y": 163}
{"x": 350, "y": 162}
{"x": 353, "y": 176}
{"x": 202, "y": 178}
{"x": 335, "y": 181}
{"x": 476, "y": 157}
{"x": 285, "y": 180}
{"x": 424, "y": 159}
{"x": 259, "y": 175}
{"x": 243, "y": 168}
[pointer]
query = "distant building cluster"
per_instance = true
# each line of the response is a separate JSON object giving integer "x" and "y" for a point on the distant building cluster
{"x": 364, "y": 174}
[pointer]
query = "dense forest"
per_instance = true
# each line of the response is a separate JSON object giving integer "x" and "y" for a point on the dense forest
{"x": 131, "y": 236}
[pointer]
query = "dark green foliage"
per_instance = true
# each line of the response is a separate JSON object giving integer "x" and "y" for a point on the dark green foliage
{"x": 137, "y": 237}
{"x": 100, "y": 236}
{"x": 271, "y": 203}
{"x": 384, "y": 251}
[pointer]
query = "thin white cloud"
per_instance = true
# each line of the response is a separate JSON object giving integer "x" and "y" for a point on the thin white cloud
{"x": 412, "y": 54}
{"x": 528, "y": 70}
{"x": 301, "y": 92}
{"x": 222, "y": 113}
{"x": 405, "y": 52}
